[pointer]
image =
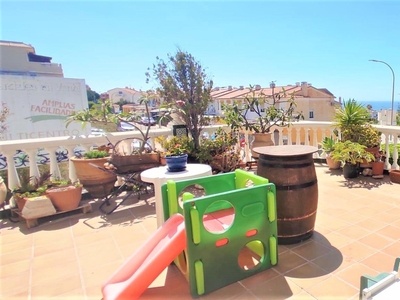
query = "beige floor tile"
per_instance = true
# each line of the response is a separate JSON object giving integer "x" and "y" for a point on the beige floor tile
{"x": 354, "y": 232}
{"x": 17, "y": 295}
{"x": 353, "y": 273}
{"x": 52, "y": 273}
{"x": 99, "y": 276}
{"x": 71, "y": 295}
{"x": 385, "y": 217}
{"x": 393, "y": 249}
{"x": 375, "y": 240}
{"x": 92, "y": 237}
{"x": 258, "y": 278}
{"x": 380, "y": 262}
{"x": 15, "y": 268}
{"x": 102, "y": 257}
{"x": 16, "y": 256}
{"x": 390, "y": 231}
{"x": 15, "y": 284}
{"x": 56, "y": 287}
{"x": 368, "y": 211}
{"x": 54, "y": 246}
{"x": 338, "y": 240}
{"x": 311, "y": 250}
{"x": 276, "y": 288}
{"x": 55, "y": 259}
{"x": 357, "y": 251}
{"x": 16, "y": 246}
{"x": 302, "y": 296}
{"x": 333, "y": 262}
{"x": 352, "y": 217}
{"x": 307, "y": 275}
{"x": 371, "y": 224}
{"x": 13, "y": 237}
{"x": 93, "y": 292}
{"x": 332, "y": 288}
{"x": 288, "y": 261}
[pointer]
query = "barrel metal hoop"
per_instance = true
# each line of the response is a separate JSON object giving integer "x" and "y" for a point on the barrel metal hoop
{"x": 295, "y": 186}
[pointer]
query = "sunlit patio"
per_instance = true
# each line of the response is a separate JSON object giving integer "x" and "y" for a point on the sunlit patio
{"x": 357, "y": 232}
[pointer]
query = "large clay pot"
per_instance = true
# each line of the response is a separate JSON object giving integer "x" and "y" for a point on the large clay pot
{"x": 98, "y": 183}
{"x": 261, "y": 140}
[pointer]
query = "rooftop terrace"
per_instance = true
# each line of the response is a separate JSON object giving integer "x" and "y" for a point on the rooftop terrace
{"x": 357, "y": 232}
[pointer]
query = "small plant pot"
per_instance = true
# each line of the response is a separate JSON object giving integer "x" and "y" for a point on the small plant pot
{"x": 394, "y": 176}
{"x": 65, "y": 198}
{"x": 350, "y": 171}
{"x": 377, "y": 167}
{"x": 176, "y": 163}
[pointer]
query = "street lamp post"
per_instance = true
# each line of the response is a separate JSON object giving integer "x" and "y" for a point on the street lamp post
{"x": 379, "y": 61}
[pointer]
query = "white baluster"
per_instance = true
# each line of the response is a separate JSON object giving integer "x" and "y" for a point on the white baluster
{"x": 33, "y": 166}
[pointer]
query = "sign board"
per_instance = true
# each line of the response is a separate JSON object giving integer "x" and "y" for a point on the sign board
{"x": 38, "y": 106}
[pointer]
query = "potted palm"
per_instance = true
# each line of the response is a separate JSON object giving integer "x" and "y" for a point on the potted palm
{"x": 351, "y": 154}
{"x": 259, "y": 113}
{"x": 327, "y": 146}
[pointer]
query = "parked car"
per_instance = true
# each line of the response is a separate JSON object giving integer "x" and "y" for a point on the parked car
{"x": 124, "y": 126}
{"x": 147, "y": 121}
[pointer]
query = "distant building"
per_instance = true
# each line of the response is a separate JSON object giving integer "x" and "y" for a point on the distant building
{"x": 21, "y": 59}
{"x": 316, "y": 104}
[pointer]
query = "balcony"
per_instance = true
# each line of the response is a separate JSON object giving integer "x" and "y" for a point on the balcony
{"x": 357, "y": 232}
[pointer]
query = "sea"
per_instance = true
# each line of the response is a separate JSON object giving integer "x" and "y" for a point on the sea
{"x": 379, "y": 105}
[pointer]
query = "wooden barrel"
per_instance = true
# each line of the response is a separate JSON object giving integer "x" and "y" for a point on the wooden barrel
{"x": 291, "y": 169}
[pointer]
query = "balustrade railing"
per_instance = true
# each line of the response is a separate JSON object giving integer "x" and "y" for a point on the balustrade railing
{"x": 60, "y": 148}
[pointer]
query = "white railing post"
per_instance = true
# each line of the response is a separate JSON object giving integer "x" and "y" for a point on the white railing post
{"x": 33, "y": 167}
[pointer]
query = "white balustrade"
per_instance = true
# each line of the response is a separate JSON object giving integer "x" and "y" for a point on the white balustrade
{"x": 302, "y": 132}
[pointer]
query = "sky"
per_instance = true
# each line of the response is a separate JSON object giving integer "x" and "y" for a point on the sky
{"x": 112, "y": 43}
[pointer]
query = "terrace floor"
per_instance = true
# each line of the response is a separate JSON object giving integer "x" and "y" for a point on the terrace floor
{"x": 357, "y": 232}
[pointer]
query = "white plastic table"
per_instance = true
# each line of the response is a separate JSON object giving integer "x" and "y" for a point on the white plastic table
{"x": 159, "y": 175}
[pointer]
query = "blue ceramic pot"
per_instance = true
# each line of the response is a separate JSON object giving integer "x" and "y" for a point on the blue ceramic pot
{"x": 176, "y": 163}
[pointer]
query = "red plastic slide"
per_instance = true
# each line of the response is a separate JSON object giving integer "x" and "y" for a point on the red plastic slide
{"x": 143, "y": 266}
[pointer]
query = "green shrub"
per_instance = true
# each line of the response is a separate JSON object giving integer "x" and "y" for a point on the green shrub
{"x": 96, "y": 154}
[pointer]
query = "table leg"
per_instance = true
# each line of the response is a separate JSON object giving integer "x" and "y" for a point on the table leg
{"x": 159, "y": 203}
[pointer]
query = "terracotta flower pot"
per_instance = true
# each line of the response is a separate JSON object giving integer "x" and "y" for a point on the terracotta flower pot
{"x": 65, "y": 198}
{"x": 394, "y": 176}
{"x": 261, "y": 140}
{"x": 377, "y": 167}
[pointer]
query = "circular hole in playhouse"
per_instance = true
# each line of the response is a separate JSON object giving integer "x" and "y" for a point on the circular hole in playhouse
{"x": 251, "y": 255}
{"x": 218, "y": 216}
{"x": 195, "y": 189}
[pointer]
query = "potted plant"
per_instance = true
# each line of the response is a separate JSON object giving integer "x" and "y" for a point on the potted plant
{"x": 65, "y": 195}
{"x": 173, "y": 144}
{"x": 221, "y": 151}
{"x": 351, "y": 154}
{"x": 327, "y": 146}
{"x": 176, "y": 158}
{"x": 259, "y": 113}
{"x": 30, "y": 187}
{"x": 97, "y": 182}
{"x": 122, "y": 160}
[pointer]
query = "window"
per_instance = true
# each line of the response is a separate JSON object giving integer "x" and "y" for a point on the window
{"x": 311, "y": 114}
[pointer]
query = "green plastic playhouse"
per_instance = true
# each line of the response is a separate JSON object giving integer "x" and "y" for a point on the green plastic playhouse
{"x": 231, "y": 232}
